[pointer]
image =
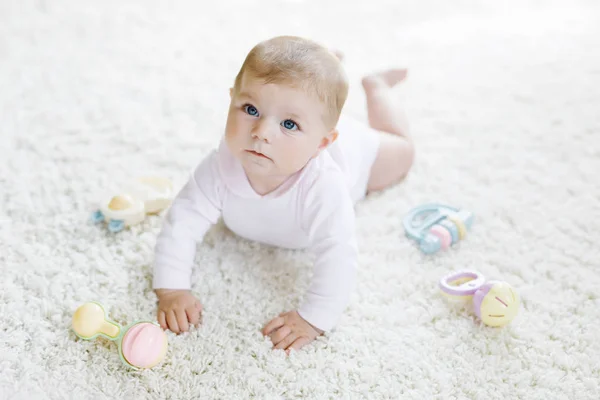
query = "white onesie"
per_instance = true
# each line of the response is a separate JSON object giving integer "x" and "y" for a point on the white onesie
{"x": 313, "y": 209}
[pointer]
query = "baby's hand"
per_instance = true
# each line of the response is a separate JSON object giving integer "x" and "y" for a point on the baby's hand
{"x": 177, "y": 309}
{"x": 290, "y": 331}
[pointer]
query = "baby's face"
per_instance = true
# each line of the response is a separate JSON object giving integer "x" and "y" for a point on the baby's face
{"x": 274, "y": 129}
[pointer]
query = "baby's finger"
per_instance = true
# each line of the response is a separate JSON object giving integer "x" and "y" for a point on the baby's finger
{"x": 289, "y": 339}
{"x": 275, "y": 323}
{"x": 162, "y": 320}
{"x": 298, "y": 344}
{"x": 278, "y": 335}
{"x": 193, "y": 315}
{"x": 182, "y": 320}
{"x": 172, "y": 321}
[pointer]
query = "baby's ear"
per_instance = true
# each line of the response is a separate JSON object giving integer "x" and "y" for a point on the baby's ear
{"x": 329, "y": 139}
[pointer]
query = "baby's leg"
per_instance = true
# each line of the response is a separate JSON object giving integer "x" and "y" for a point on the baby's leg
{"x": 396, "y": 151}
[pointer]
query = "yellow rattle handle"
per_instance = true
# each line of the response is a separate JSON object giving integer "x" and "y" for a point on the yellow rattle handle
{"x": 91, "y": 320}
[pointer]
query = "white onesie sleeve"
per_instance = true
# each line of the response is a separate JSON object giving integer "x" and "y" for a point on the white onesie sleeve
{"x": 328, "y": 218}
{"x": 195, "y": 208}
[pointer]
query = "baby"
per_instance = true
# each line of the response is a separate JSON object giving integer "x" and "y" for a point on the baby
{"x": 287, "y": 173}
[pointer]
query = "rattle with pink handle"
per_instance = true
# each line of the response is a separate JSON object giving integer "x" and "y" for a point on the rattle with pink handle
{"x": 142, "y": 344}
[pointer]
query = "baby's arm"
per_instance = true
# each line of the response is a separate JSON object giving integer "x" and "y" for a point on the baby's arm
{"x": 330, "y": 221}
{"x": 196, "y": 207}
{"x": 328, "y": 218}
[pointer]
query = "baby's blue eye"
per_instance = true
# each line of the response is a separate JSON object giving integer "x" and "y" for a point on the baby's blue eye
{"x": 290, "y": 125}
{"x": 251, "y": 110}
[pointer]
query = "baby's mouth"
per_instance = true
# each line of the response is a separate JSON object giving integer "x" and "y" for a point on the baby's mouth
{"x": 256, "y": 153}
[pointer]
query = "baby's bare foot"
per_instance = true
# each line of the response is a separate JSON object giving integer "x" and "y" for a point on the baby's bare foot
{"x": 387, "y": 79}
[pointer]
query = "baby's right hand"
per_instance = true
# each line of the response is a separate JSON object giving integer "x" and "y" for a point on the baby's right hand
{"x": 177, "y": 309}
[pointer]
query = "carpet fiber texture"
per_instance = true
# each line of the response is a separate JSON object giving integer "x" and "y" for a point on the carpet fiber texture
{"x": 503, "y": 99}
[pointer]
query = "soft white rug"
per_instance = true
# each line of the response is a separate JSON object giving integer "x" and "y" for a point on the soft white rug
{"x": 504, "y": 100}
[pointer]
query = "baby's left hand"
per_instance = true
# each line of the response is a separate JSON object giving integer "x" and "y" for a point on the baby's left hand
{"x": 290, "y": 331}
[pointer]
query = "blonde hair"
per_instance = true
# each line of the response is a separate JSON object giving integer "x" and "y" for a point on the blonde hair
{"x": 300, "y": 63}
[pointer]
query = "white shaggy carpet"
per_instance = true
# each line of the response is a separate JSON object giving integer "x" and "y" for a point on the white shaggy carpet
{"x": 504, "y": 100}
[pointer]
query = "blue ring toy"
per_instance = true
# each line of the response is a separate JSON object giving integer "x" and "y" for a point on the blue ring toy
{"x": 420, "y": 220}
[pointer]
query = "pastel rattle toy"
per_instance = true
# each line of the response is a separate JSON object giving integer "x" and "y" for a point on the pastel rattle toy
{"x": 147, "y": 195}
{"x": 437, "y": 227}
{"x": 495, "y": 303}
{"x": 142, "y": 344}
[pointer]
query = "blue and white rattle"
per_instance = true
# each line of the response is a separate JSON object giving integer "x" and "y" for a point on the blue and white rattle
{"x": 436, "y": 226}
{"x": 130, "y": 206}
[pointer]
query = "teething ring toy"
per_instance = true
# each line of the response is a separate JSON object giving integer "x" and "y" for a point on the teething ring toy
{"x": 141, "y": 345}
{"x": 495, "y": 303}
{"x": 462, "y": 283}
{"x": 436, "y": 226}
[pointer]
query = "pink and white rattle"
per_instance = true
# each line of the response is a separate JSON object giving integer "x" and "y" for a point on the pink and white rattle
{"x": 495, "y": 303}
{"x": 142, "y": 344}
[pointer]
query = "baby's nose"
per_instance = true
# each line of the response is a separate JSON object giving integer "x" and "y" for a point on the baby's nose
{"x": 263, "y": 130}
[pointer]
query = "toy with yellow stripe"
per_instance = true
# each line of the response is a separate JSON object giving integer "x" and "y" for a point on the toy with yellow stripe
{"x": 436, "y": 227}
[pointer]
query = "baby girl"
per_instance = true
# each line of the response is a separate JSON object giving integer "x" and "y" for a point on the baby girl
{"x": 287, "y": 173}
